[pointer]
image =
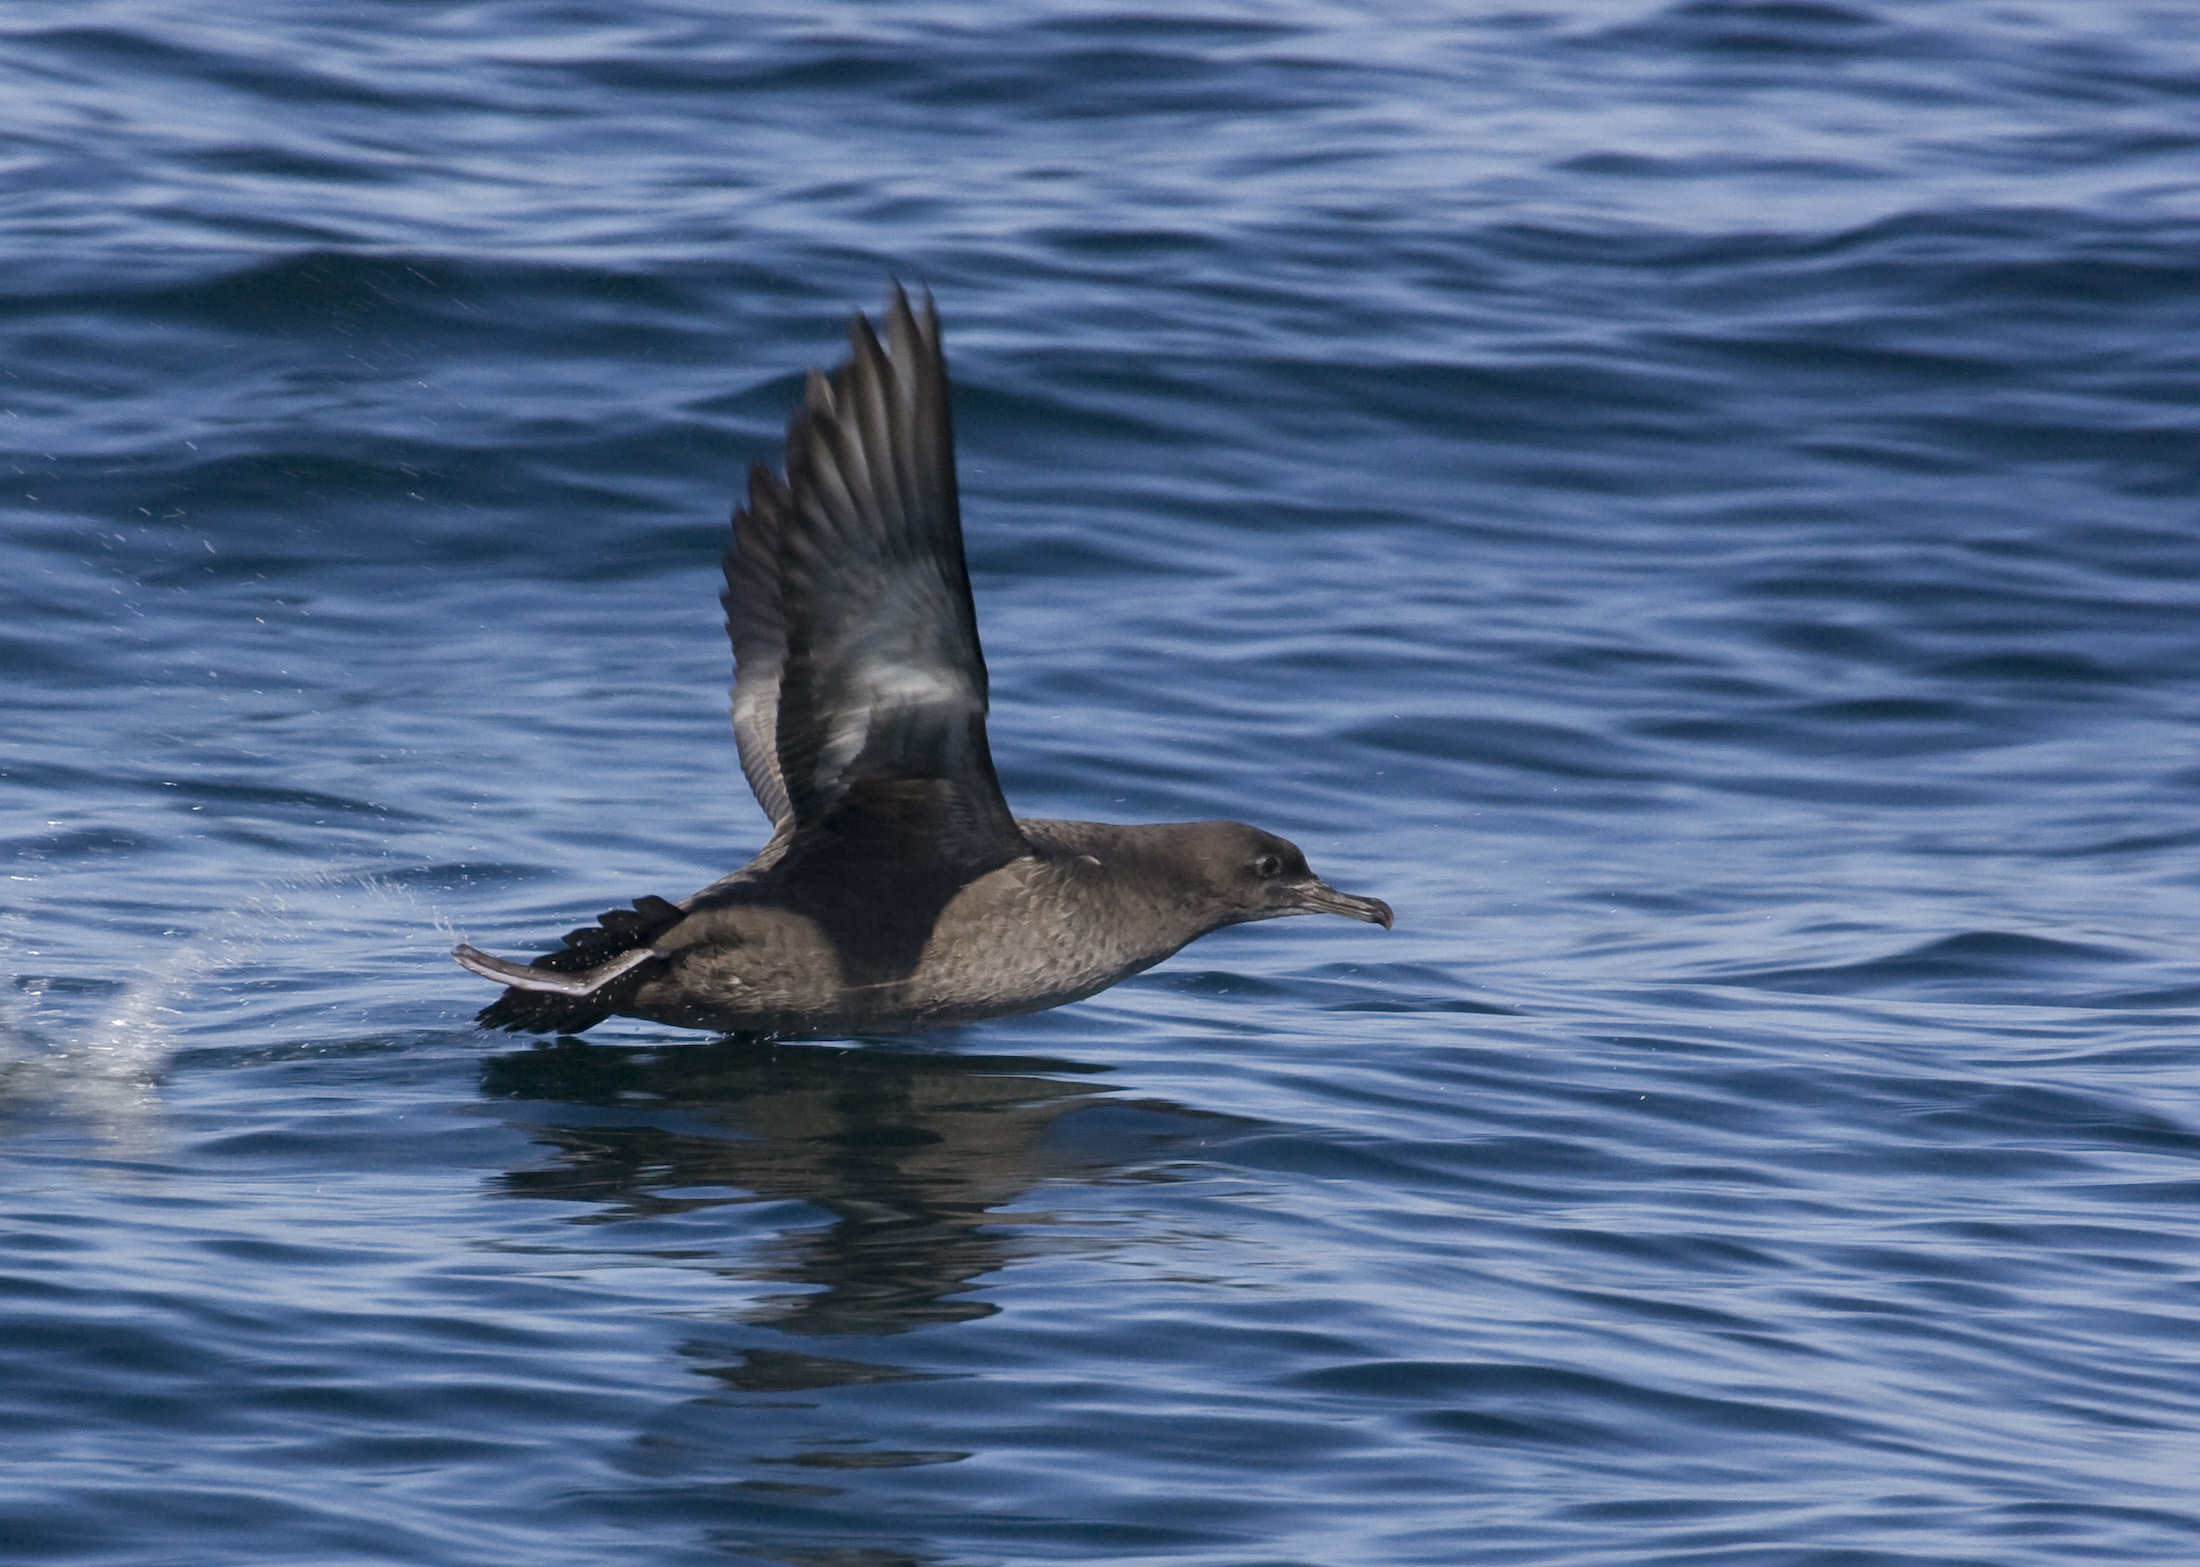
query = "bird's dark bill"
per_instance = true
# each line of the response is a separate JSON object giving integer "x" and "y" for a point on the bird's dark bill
{"x": 1321, "y": 898}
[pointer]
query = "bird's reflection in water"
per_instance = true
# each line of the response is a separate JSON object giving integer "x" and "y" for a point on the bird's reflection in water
{"x": 913, "y": 1155}
{"x": 909, "y": 1151}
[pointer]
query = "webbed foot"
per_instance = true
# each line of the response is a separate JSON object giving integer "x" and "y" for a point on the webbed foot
{"x": 524, "y": 976}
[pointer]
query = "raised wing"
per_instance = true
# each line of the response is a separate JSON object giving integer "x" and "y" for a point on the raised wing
{"x": 860, "y": 696}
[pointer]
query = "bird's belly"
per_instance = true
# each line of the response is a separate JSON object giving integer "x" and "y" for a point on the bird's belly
{"x": 990, "y": 959}
{"x": 768, "y": 970}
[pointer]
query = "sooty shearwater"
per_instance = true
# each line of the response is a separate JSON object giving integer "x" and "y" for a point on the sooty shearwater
{"x": 896, "y": 891}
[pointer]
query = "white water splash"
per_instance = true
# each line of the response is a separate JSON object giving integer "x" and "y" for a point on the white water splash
{"x": 218, "y": 982}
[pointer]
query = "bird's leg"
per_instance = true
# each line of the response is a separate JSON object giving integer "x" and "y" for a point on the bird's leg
{"x": 524, "y": 976}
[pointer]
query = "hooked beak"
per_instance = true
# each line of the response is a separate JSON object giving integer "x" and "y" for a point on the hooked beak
{"x": 1318, "y": 897}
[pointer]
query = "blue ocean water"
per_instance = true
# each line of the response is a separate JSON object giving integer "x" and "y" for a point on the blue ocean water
{"x": 1692, "y": 502}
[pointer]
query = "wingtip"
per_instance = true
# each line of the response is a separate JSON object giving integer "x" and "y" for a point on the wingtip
{"x": 922, "y": 324}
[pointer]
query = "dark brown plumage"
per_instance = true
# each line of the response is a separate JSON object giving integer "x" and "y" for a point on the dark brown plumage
{"x": 897, "y": 891}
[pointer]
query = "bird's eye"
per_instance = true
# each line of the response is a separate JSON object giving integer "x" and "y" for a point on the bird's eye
{"x": 1268, "y": 865}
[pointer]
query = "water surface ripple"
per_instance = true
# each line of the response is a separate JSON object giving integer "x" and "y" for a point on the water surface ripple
{"x": 1691, "y": 500}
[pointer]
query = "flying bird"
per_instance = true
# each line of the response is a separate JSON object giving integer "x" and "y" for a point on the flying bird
{"x": 896, "y": 891}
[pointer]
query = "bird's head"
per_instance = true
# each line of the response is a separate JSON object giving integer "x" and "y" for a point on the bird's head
{"x": 1255, "y": 875}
